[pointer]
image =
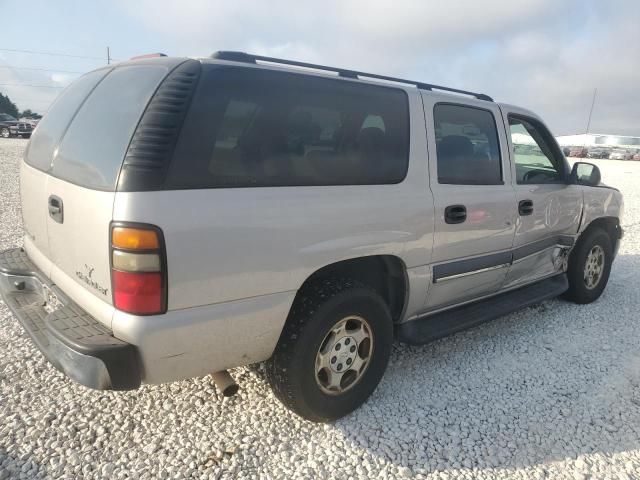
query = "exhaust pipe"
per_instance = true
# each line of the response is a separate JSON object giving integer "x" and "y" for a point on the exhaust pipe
{"x": 225, "y": 383}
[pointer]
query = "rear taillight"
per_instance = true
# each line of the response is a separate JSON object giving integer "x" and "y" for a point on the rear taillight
{"x": 138, "y": 269}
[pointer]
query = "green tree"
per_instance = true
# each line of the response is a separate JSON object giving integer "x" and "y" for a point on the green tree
{"x": 29, "y": 114}
{"x": 7, "y": 106}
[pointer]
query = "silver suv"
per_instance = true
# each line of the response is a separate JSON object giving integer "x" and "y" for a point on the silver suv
{"x": 184, "y": 216}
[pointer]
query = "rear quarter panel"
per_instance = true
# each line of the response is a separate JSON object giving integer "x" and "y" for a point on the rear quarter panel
{"x": 229, "y": 244}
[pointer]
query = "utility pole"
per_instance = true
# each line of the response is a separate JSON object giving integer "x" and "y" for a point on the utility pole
{"x": 108, "y": 56}
{"x": 593, "y": 102}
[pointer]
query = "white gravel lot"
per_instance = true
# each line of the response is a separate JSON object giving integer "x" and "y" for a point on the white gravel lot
{"x": 552, "y": 391}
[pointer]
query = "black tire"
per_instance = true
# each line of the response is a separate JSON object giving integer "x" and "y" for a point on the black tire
{"x": 318, "y": 307}
{"x": 5, "y": 132}
{"x": 578, "y": 291}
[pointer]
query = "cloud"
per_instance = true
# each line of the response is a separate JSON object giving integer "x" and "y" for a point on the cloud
{"x": 17, "y": 85}
{"x": 541, "y": 54}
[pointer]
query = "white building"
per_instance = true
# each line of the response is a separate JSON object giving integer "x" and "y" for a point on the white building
{"x": 596, "y": 139}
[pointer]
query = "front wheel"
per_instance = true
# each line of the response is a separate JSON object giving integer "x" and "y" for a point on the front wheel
{"x": 589, "y": 266}
{"x": 4, "y": 132}
{"x": 333, "y": 350}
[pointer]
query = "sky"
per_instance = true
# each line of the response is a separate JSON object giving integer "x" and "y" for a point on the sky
{"x": 545, "y": 55}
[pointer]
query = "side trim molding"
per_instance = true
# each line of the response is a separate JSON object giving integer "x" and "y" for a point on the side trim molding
{"x": 459, "y": 268}
{"x": 494, "y": 261}
{"x": 538, "y": 246}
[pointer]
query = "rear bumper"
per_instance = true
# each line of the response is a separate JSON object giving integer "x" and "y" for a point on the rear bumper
{"x": 71, "y": 339}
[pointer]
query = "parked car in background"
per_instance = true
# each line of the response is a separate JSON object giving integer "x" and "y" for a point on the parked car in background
{"x": 566, "y": 151}
{"x": 579, "y": 152}
{"x": 10, "y": 127}
{"x": 598, "y": 152}
{"x": 313, "y": 238}
{"x": 636, "y": 156}
{"x": 620, "y": 154}
{"x": 31, "y": 121}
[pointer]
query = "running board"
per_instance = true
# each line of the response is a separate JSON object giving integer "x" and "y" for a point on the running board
{"x": 425, "y": 329}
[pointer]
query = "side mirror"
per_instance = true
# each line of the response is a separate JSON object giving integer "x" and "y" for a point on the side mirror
{"x": 584, "y": 173}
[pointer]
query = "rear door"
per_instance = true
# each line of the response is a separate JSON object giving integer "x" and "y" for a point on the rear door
{"x": 78, "y": 196}
{"x": 85, "y": 171}
{"x": 549, "y": 208}
{"x": 473, "y": 199}
{"x": 35, "y": 170}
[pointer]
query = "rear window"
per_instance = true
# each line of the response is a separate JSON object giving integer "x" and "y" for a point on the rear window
{"x": 92, "y": 149}
{"x": 252, "y": 128}
{"x": 53, "y": 125}
{"x": 467, "y": 145}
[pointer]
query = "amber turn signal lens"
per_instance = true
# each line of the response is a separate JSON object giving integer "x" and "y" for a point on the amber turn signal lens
{"x": 134, "y": 238}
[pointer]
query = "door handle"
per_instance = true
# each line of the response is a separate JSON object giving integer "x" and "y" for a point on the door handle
{"x": 525, "y": 207}
{"x": 54, "y": 204}
{"x": 455, "y": 214}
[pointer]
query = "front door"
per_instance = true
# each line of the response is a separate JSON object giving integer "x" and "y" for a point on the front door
{"x": 473, "y": 199}
{"x": 549, "y": 208}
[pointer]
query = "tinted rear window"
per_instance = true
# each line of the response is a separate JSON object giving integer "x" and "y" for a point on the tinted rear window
{"x": 467, "y": 146}
{"x": 53, "y": 125}
{"x": 250, "y": 127}
{"x": 95, "y": 143}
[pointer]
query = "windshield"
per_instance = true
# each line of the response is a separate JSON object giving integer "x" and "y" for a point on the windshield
{"x": 6, "y": 118}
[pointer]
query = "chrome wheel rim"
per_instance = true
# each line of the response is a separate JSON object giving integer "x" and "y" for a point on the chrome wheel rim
{"x": 344, "y": 355}
{"x": 593, "y": 267}
{"x": 4, "y": 133}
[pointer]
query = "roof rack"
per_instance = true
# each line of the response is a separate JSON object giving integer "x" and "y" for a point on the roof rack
{"x": 249, "y": 58}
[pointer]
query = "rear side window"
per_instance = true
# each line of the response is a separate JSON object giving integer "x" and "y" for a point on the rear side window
{"x": 93, "y": 148}
{"x": 467, "y": 145}
{"x": 53, "y": 125}
{"x": 252, "y": 128}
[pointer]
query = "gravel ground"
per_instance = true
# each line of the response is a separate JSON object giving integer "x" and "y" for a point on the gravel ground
{"x": 552, "y": 391}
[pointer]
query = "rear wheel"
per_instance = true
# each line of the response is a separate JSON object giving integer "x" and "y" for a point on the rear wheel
{"x": 589, "y": 266}
{"x": 333, "y": 350}
{"x": 4, "y": 132}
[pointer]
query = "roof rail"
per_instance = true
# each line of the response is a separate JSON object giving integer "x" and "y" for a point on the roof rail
{"x": 249, "y": 58}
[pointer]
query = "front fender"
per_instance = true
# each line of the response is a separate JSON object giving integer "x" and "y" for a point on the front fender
{"x": 600, "y": 202}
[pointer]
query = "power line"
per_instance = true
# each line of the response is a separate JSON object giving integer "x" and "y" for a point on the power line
{"x": 40, "y": 69}
{"x": 55, "y": 54}
{"x": 28, "y": 85}
{"x": 41, "y": 102}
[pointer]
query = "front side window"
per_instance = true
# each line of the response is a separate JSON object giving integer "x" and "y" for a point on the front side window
{"x": 467, "y": 147}
{"x": 260, "y": 128}
{"x": 534, "y": 153}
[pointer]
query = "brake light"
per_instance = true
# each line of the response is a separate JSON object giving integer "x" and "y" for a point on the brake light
{"x": 138, "y": 269}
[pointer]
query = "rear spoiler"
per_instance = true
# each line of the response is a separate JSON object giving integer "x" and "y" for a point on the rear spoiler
{"x": 148, "y": 55}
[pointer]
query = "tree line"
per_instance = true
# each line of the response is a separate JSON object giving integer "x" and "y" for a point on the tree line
{"x": 7, "y": 106}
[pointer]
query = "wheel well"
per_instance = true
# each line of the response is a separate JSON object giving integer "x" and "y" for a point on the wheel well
{"x": 610, "y": 225}
{"x": 386, "y": 274}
